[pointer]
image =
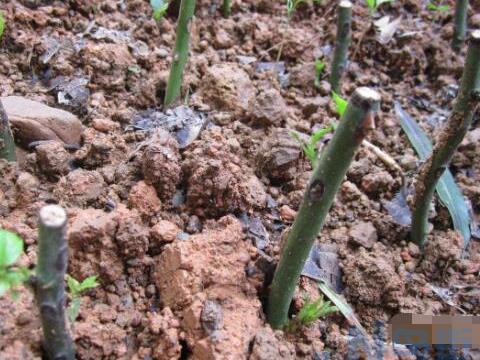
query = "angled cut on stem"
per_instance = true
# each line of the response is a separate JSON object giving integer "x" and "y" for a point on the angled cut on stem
{"x": 340, "y": 56}
{"x": 448, "y": 140}
{"x": 49, "y": 282}
{"x": 460, "y": 24}
{"x": 327, "y": 177}
{"x": 7, "y": 144}
{"x": 180, "y": 53}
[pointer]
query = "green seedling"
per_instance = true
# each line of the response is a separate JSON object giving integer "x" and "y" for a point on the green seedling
{"x": 75, "y": 290}
{"x": 11, "y": 276}
{"x": 434, "y": 7}
{"x": 374, "y": 4}
{"x": 310, "y": 312}
{"x": 159, "y": 7}
{"x": 310, "y": 148}
{"x": 319, "y": 67}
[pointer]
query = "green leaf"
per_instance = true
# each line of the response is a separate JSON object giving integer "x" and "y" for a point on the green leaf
{"x": 448, "y": 191}
{"x": 319, "y": 67}
{"x": 73, "y": 309}
{"x": 342, "y": 305}
{"x": 89, "y": 283}
{"x": 433, "y": 7}
{"x": 11, "y": 247}
{"x": 4, "y": 286}
{"x": 340, "y": 103}
{"x": 159, "y": 8}
{"x": 73, "y": 285}
{"x": 2, "y": 24}
{"x": 371, "y": 4}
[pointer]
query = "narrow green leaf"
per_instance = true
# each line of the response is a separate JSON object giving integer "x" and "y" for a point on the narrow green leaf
{"x": 342, "y": 306}
{"x": 2, "y": 24}
{"x": 11, "y": 247}
{"x": 341, "y": 104}
{"x": 448, "y": 191}
{"x": 371, "y": 4}
{"x": 73, "y": 309}
{"x": 89, "y": 283}
{"x": 73, "y": 285}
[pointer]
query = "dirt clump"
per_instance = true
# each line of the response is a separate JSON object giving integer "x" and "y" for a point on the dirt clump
{"x": 224, "y": 328}
{"x": 269, "y": 108}
{"x": 143, "y": 198}
{"x": 363, "y": 234}
{"x": 372, "y": 279}
{"x": 52, "y": 159}
{"x": 80, "y": 188}
{"x": 219, "y": 181}
{"x": 227, "y": 87}
{"x": 270, "y": 345}
{"x": 440, "y": 253}
{"x": 160, "y": 164}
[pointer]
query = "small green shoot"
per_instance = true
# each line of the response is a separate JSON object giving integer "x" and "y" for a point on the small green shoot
{"x": 319, "y": 67}
{"x": 2, "y": 24}
{"x": 311, "y": 312}
{"x": 159, "y": 8}
{"x": 434, "y": 7}
{"x": 75, "y": 289}
{"x": 340, "y": 103}
{"x": 374, "y": 4}
{"x": 11, "y": 247}
{"x": 310, "y": 148}
{"x": 293, "y": 4}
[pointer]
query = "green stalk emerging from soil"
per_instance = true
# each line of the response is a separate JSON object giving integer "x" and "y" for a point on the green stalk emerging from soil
{"x": 448, "y": 140}
{"x": 460, "y": 24}
{"x": 319, "y": 195}
{"x": 226, "y": 8}
{"x": 342, "y": 43}
{"x": 180, "y": 53}
{"x": 7, "y": 144}
{"x": 49, "y": 283}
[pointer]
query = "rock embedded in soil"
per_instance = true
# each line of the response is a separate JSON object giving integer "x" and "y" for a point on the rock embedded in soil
{"x": 278, "y": 158}
{"x": 363, "y": 234}
{"x": 226, "y": 87}
{"x": 269, "y": 108}
{"x": 33, "y": 121}
{"x": 219, "y": 181}
{"x": 52, "y": 159}
{"x": 160, "y": 164}
{"x": 164, "y": 232}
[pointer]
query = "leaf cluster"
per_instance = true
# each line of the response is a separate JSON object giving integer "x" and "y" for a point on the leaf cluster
{"x": 75, "y": 290}
{"x": 11, "y": 247}
{"x": 311, "y": 312}
{"x": 159, "y": 8}
{"x": 310, "y": 148}
{"x": 374, "y": 4}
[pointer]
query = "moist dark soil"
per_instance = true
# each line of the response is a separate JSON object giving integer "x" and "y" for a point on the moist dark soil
{"x": 167, "y": 227}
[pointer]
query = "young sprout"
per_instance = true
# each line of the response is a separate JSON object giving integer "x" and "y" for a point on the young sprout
{"x": 159, "y": 7}
{"x": 11, "y": 247}
{"x": 7, "y": 144}
{"x": 448, "y": 140}
{"x": 434, "y": 7}
{"x": 460, "y": 24}
{"x": 340, "y": 103}
{"x": 319, "y": 67}
{"x": 310, "y": 148}
{"x": 326, "y": 179}
{"x": 180, "y": 53}
{"x": 374, "y": 4}
{"x": 309, "y": 313}
{"x": 75, "y": 290}
{"x": 49, "y": 283}
{"x": 340, "y": 56}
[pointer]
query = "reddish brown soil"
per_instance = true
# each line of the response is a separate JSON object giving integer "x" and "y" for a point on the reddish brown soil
{"x": 183, "y": 279}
